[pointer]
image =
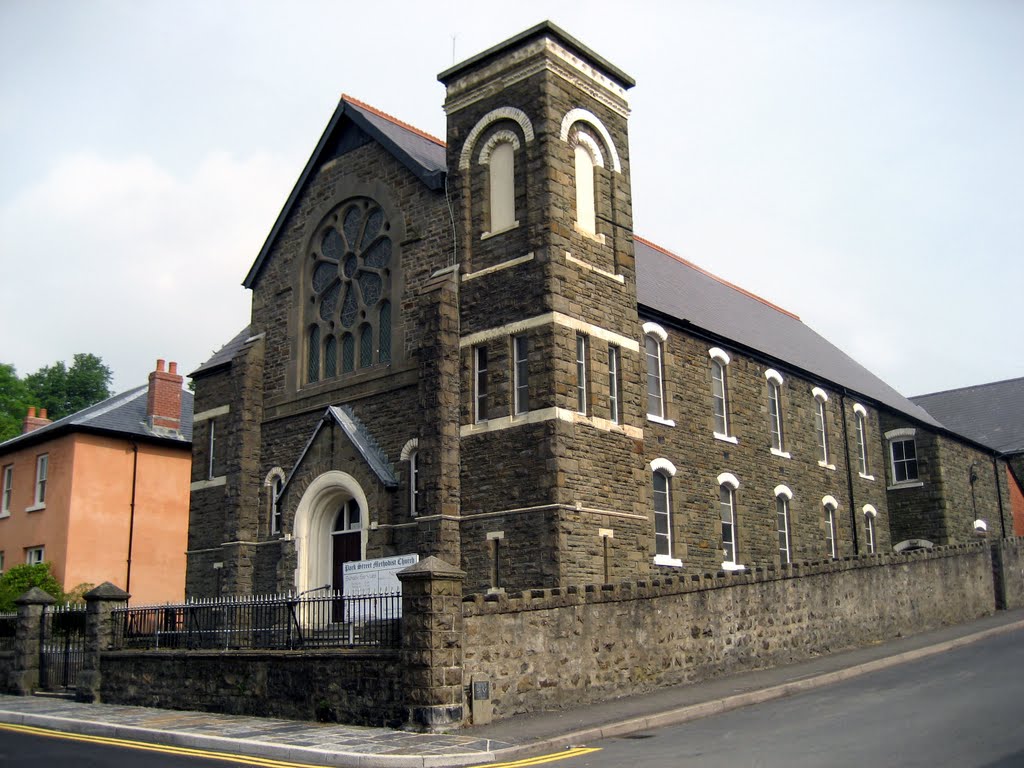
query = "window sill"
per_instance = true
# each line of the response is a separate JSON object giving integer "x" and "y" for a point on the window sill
{"x": 781, "y": 454}
{"x": 823, "y": 465}
{"x": 36, "y": 507}
{"x": 660, "y": 420}
{"x": 597, "y": 238}
{"x": 865, "y": 477}
{"x": 729, "y": 566}
{"x": 213, "y": 482}
{"x": 726, "y": 438}
{"x": 908, "y": 484}
{"x": 509, "y": 228}
{"x": 5, "y": 513}
{"x": 673, "y": 562}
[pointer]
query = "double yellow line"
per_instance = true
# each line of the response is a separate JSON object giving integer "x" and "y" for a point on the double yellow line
{"x": 242, "y": 759}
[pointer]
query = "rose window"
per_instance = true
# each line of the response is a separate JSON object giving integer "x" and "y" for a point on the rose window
{"x": 350, "y": 278}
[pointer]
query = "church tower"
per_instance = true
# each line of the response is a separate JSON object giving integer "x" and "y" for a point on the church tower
{"x": 551, "y": 424}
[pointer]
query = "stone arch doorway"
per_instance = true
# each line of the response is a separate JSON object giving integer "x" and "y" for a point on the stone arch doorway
{"x": 330, "y": 525}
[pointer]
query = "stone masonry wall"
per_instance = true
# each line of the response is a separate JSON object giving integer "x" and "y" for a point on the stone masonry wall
{"x": 342, "y": 686}
{"x": 557, "y": 648}
{"x": 1009, "y": 555}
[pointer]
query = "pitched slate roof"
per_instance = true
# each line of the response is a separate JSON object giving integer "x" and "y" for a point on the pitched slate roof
{"x": 423, "y": 154}
{"x": 122, "y": 415}
{"x": 672, "y": 286}
{"x": 225, "y": 354}
{"x": 991, "y": 414}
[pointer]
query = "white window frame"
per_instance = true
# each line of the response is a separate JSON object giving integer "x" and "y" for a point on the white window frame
{"x": 479, "y": 384}
{"x": 584, "y": 162}
{"x": 414, "y": 484}
{"x": 727, "y": 487}
{"x": 614, "y": 384}
{"x": 666, "y": 470}
{"x": 720, "y": 394}
{"x": 861, "y": 416}
{"x": 35, "y": 555}
{"x": 520, "y": 374}
{"x": 276, "y": 486}
{"x": 775, "y": 382}
{"x": 783, "y": 523}
{"x": 42, "y": 473}
{"x": 870, "y": 513}
{"x": 501, "y": 185}
{"x": 830, "y": 505}
{"x": 902, "y": 437}
{"x": 7, "y": 479}
{"x": 211, "y": 448}
{"x": 582, "y": 352}
{"x": 654, "y": 353}
{"x": 1, "y": 561}
{"x": 821, "y": 427}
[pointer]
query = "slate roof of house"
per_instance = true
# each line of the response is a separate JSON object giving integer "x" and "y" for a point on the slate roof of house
{"x": 225, "y": 354}
{"x": 670, "y": 285}
{"x": 991, "y": 414}
{"x": 122, "y": 415}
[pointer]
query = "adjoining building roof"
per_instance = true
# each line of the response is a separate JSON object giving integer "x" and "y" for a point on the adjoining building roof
{"x": 423, "y": 154}
{"x": 122, "y": 415}
{"x": 225, "y": 354}
{"x": 672, "y": 286}
{"x": 991, "y": 414}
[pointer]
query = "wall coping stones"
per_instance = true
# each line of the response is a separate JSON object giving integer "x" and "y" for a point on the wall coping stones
{"x": 661, "y": 586}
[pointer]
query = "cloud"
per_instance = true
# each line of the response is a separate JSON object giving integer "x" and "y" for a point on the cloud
{"x": 132, "y": 260}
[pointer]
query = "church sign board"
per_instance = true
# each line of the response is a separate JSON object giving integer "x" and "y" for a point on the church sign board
{"x": 378, "y": 577}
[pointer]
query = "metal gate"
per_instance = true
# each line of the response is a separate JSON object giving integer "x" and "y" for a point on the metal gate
{"x": 61, "y": 646}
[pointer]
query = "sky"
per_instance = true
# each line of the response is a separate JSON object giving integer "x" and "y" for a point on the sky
{"x": 859, "y": 163}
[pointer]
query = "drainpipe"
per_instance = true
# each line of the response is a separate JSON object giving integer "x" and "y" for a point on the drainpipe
{"x": 849, "y": 474}
{"x": 999, "y": 493}
{"x": 131, "y": 519}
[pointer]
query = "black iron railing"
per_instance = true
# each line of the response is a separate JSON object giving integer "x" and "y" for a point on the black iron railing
{"x": 62, "y": 646}
{"x": 8, "y": 628}
{"x": 270, "y": 622}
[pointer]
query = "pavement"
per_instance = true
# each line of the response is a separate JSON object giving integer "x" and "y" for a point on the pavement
{"x": 505, "y": 740}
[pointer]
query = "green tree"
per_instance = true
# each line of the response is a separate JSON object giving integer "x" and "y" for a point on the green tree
{"x": 17, "y": 580}
{"x": 63, "y": 391}
{"x": 14, "y": 399}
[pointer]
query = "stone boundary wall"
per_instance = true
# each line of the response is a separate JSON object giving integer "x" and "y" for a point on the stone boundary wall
{"x": 1008, "y": 555}
{"x": 6, "y": 668}
{"x": 332, "y": 686}
{"x": 557, "y": 648}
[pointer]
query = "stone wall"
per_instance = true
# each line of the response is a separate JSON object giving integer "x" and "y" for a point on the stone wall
{"x": 343, "y": 686}
{"x": 557, "y": 648}
{"x": 1008, "y": 556}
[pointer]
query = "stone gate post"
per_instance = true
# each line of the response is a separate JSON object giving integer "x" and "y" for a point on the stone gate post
{"x": 99, "y": 635}
{"x": 25, "y": 668}
{"x": 432, "y": 644}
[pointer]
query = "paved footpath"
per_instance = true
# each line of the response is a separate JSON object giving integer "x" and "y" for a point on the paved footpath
{"x": 514, "y": 738}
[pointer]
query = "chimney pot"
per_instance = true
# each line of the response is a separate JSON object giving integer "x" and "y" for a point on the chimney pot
{"x": 160, "y": 364}
{"x": 32, "y": 421}
{"x": 31, "y": 411}
{"x": 42, "y": 413}
{"x": 163, "y": 402}
{"x": 173, "y": 368}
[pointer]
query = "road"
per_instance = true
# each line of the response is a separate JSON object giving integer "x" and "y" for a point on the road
{"x": 962, "y": 708}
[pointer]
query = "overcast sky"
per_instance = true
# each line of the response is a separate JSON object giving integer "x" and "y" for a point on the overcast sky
{"x": 859, "y": 163}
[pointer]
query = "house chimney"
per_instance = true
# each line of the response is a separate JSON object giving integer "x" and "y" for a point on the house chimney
{"x": 33, "y": 422}
{"x": 163, "y": 404}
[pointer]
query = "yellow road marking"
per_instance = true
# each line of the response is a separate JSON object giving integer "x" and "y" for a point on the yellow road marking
{"x": 540, "y": 759}
{"x": 186, "y": 751}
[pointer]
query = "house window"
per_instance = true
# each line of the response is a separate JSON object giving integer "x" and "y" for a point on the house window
{"x": 720, "y": 391}
{"x": 614, "y": 385}
{"x": 211, "y": 450}
{"x": 830, "y": 529}
{"x": 782, "y": 498}
{"x": 727, "y": 508}
{"x": 42, "y": 468}
{"x": 480, "y": 384}
{"x": 662, "y": 516}
{"x": 350, "y": 277}
{"x": 502, "y": 187}
{"x": 862, "y": 440}
{"x": 586, "y": 217}
{"x": 414, "y": 484}
{"x": 581, "y": 373}
{"x": 903, "y": 452}
{"x": 775, "y": 409}
{"x": 1, "y": 562}
{"x": 654, "y": 345}
{"x": 821, "y": 425}
{"x": 5, "y": 491}
{"x": 521, "y": 373}
{"x": 34, "y": 555}
{"x": 869, "y": 527}
{"x": 276, "y": 486}
{"x": 662, "y": 470}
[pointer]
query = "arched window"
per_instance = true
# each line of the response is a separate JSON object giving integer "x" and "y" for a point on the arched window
{"x": 662, "y": 471}
{"x": 351, "y": 260}
{"x": 869, "y": 527}
{"x": 348, "y": 353}
{"x": 654, "y": 339}
{"x": 414, "y": 484}
{"x": 727, "y": 485}
{"x": 275, "y": 504}
{"x": 775, "y": 409}
{"x": 821, "y": 424}
{"x": 782, "y": 498}
{"x": 502, "y": 187}
{"x": 830, "y": 505}
{"x": 860, "y": 414}
{"x": 720, "y": 392}
{"x": 586, "y": 217}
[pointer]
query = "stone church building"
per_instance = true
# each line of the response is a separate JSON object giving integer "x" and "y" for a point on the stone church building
{"x": 460, "y": 348}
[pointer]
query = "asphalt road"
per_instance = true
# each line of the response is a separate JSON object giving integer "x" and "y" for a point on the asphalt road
{"x": 964, "y": 708}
